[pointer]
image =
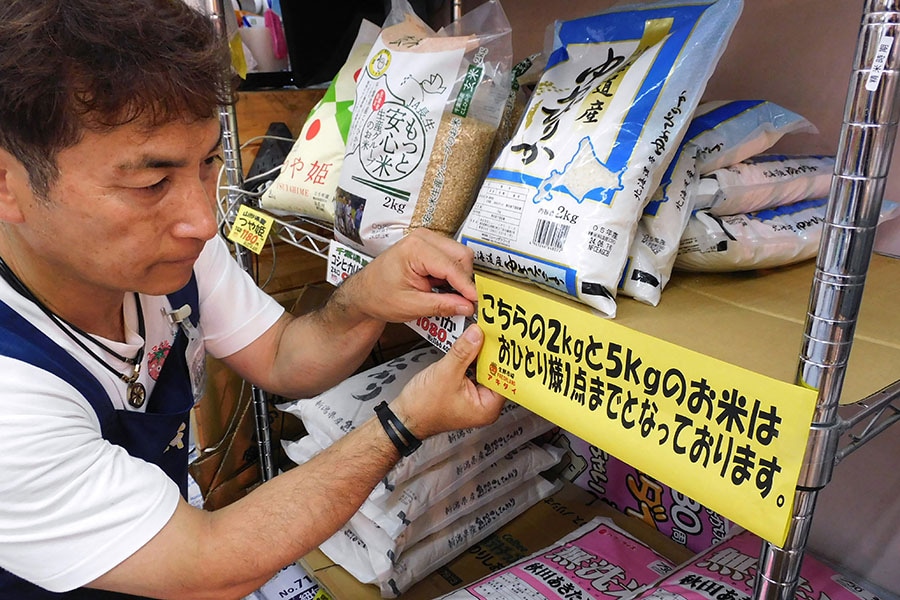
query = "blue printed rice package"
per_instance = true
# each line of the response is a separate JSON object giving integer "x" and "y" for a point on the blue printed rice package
{"x": 560, "y": 205}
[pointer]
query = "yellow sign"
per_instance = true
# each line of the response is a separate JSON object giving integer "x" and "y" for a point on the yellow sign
{"x": 726, "y": 437}
{"x": 250, "y": 228}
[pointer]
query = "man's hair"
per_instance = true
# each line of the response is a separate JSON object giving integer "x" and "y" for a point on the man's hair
{"x": 67, "y": 66}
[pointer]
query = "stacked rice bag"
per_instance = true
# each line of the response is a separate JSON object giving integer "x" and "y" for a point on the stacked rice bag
{"x": 456, "y": 489}
{"x": 720, "y": 133}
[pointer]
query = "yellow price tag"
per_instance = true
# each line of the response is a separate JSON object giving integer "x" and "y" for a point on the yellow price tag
{"x": 250, "y": 228}
{"x": 728, "y": 438}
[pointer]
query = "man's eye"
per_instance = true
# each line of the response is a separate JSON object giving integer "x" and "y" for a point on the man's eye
{"x": 212, "y": 160}
{"x": 157, "y": 186}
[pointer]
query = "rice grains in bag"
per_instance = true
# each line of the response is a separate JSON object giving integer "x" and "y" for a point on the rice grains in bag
{"x": 561, "y": 204}
{"x": 426, "y": 111}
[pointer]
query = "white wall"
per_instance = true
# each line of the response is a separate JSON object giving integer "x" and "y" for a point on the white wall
{"x": 798, "y": 54}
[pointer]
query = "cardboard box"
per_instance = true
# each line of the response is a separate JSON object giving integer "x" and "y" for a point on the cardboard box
{"x": 537, "y": 528}
{"x": 755, "y": 320}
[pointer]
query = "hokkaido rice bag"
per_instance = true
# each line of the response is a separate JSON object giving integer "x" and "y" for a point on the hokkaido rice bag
{"x": 717, "y": 132}
{"x": 728, "y": 570}
{"x": 308, "y": 179}
{"x": 598, "y": 560}
{"x": 763, "y": 239}
{"x": 738, "y": 129}
{"x": 426, "y": 111}
{"x": 765, "y": 181}
{"x": 560, "y": 206}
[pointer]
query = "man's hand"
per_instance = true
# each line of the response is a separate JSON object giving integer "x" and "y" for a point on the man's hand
{"x": 442, "y": 398}
{"x": 397, "y": 286}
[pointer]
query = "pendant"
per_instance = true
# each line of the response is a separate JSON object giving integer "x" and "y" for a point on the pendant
{"x": 136, "y": 394}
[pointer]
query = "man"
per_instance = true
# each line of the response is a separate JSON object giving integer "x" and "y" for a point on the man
{"x": 108, "y": 141}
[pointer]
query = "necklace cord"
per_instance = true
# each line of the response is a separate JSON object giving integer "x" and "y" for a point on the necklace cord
{"x": 70, "y": 329}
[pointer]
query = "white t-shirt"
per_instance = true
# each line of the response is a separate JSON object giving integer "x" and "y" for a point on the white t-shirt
{"x": 72, "y": 505}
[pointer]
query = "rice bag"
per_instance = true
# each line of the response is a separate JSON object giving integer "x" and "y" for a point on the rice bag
{"x": 440, "y": 485}
{"x": 308, "y": 179}
{"x": 739, "y": 129}
{"x": 759, "y": 240}
{"x": 335, "y": 412}
{"x": 598, "y": 560}
{"x": 426, "y": 110}
{"x": 366, "y": 556}
{"x": 718, "y": 131}
{"x": 764, "y": 181}
{"x": 503, "y": 475}
{"x": 442, "y": 546}
{"x": 560, "y": 206}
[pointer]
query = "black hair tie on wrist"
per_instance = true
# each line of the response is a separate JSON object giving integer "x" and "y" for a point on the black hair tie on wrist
{"x": 402, "y": 438}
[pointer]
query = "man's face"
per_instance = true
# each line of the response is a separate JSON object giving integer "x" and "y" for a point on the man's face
{"x": 130, "y": 210}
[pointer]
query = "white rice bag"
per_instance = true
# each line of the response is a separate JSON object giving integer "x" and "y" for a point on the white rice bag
{"x": 427, "y": 108}
{"x": 510, "y": 471}
{"x": 444, "y": 484}
{"x": 765, "y": 181}
{"x": 441, "y": 547}
{"x": 739, "y": 129}
{"x": 308, "y": 179}
{"x": 333, "y": 413}
{"x": 768, "y": 238}
{"x": 598, "y": 560}
{"x": 560, "y": 206}
{"x": 718, "y": 131}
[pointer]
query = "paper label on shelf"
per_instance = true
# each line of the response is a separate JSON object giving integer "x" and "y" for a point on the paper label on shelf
{"x": 250, "y": 228}
{"x": 441, "y": 332}
{"x": 879, "y": 62}
{"x": 730, "y": 439}
{"x": 291, "y": 583}
{"x": 343, "y": 261}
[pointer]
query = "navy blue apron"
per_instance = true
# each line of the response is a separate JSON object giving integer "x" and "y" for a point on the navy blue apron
{"x": 144, "y": 435}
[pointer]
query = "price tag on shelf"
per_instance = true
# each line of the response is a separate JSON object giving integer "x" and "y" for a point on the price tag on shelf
{"x": 343, "y": 261}
{"x": 726, "y": 437}
{"x": 291, "y": 583}
{"x": 250, "y": 228}
{"x": 440, "y": 331}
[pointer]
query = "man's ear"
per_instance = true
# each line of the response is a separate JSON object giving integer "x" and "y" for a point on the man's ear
{"x": 13, "y": 182}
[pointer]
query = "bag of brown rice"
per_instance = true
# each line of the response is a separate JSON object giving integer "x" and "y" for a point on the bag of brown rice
{"x": 560, "y": 206}
{"x": 427, "y": 108}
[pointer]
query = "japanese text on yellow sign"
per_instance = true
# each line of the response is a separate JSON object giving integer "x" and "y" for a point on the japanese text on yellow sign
{"x": 729, "y": 438}
{"x": 250, "y": 228}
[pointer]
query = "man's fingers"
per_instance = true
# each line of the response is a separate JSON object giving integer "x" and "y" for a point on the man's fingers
{"x": 465, "y": 350}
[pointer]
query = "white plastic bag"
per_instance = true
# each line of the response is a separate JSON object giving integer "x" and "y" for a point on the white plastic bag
{"x": 427, "y": 108}
{"x": 560, "y": 206}
{"x": 718, "y": 132}
{"x": 765, "y": 181}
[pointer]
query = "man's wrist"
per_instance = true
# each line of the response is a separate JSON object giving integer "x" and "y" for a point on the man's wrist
{"x": 402, "y": 438}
